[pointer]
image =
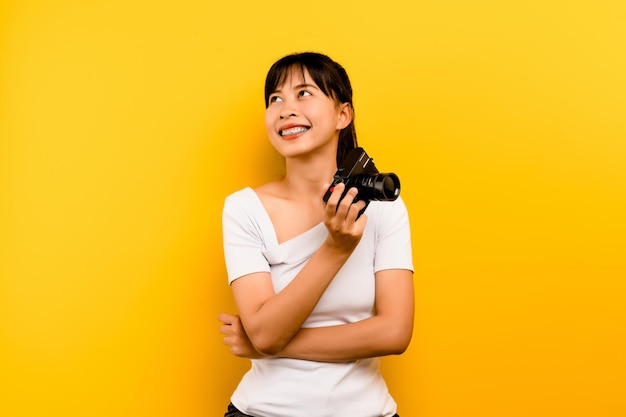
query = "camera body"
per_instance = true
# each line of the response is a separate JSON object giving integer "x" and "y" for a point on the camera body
{"x": 358, "y": 170}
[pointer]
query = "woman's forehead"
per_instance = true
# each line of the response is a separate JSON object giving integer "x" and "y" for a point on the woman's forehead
{"x": 295, "y": 75}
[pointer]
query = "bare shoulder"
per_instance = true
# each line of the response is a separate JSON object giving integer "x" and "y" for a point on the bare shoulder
{"x": 273, "y": 197}
{"x": 270, "y": 190}
{"x": 290, "y": 217}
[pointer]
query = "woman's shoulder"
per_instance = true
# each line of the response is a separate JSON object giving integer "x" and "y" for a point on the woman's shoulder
{"x": 383, "y": 213}
{"x": 387, "y": 207}
{"x": 244, "y": 194}
{"x": 272, "y": 189}
{"x": 249, "y": 198}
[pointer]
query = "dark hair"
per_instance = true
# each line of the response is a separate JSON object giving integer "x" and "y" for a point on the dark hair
{"x": 329, "y": 76}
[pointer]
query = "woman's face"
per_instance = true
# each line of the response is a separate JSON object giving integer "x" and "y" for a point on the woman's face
{"x": 301, "y": 119}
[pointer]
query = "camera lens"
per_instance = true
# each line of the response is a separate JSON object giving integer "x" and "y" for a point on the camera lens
{"x": 381, "y": 187}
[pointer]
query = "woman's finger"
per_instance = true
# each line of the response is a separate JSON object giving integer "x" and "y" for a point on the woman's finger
{"x": 333, "y": 200}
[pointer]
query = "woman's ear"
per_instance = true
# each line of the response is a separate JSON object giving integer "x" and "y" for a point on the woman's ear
{"x": 344, "y": 116}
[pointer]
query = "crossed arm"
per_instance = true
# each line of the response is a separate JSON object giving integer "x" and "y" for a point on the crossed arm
{"x": 387, "y": 332}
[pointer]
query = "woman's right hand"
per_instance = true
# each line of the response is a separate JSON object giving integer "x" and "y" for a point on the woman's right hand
{"x": 340, "y": 217}
{"x": 235, "y": 337}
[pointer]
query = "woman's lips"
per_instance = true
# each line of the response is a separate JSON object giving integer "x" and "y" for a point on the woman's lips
{"x": 292, "y": 132}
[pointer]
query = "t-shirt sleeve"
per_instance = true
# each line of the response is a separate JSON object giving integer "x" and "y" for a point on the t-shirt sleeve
{"x": 393, "y": 246}
{"x": 243, "y": 239}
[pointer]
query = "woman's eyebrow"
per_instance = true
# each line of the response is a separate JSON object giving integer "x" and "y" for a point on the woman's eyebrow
{"x": 305, "y": 85}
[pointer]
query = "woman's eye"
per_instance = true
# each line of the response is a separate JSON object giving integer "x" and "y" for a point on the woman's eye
{"x": 274, "y": 99}
{"x": 304, "y": 93}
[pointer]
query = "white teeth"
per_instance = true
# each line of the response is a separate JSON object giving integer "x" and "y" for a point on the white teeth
{"x": 293, "y": 131}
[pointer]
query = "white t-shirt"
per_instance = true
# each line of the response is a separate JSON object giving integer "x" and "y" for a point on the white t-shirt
{"x": 284, "y": 387}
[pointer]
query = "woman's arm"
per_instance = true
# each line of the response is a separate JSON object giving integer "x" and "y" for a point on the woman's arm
{"x": 388, "y": 332}
{"x": 271, "y": 320}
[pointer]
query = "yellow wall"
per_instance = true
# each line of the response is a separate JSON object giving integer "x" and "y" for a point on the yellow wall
{"x": 124, "y": 124}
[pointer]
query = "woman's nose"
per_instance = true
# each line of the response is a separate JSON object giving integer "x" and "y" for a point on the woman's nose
{"x": 288, "y": 110}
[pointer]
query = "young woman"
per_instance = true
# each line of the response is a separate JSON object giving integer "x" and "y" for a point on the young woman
{"x": 322, "y": 293}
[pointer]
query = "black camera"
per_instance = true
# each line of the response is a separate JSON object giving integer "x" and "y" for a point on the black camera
{"x": 358, "y": 170}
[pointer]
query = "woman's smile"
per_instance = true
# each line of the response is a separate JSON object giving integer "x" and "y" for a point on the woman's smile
{"x": 292, "y": 132}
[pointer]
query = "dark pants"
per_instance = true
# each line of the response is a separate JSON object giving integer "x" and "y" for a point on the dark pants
{"x": 233, "y": 412}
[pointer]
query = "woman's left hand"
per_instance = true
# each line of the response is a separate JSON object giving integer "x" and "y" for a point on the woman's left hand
{"x": 236, "y": 338}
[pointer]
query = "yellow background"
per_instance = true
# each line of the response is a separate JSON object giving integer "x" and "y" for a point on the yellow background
{"x": 124, "y": 124}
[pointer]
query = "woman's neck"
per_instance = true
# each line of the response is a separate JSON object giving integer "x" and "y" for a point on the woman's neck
{"x": 308, "y": 177}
